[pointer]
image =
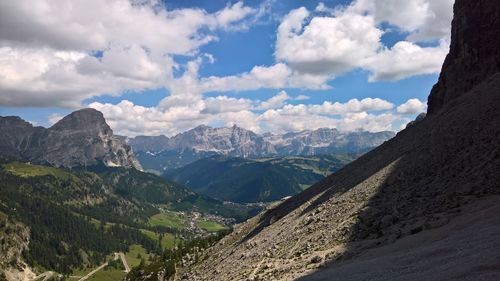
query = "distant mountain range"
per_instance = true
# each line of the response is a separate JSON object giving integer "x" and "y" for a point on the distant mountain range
{"x": 162, "y": 153}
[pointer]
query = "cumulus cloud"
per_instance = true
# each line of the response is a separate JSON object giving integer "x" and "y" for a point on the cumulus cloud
{"x": 412, "y": 106}
{"x": 351, "y": 37}
{"x": 302, "y": 97}
{"x": 406, "y": 59}
{"x": 280, "y": 121}
{"x": 233, "y": 13}
{"x": 46, "y": 77}
{"x": 276, "y": 101}
{"x": 54, "y": 118}
{"x": 98, "y": 47}
{"x": 220, "y": 104}
{"x": 352, "y": 106}
{"x": 330, "y": 45}
{"x": 94, "y": 24}
{"x": 423, "y": 19}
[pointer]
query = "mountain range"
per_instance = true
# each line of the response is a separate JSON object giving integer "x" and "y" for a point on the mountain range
{"x": 422, "y": 206}
{"x": 161, "y": 153}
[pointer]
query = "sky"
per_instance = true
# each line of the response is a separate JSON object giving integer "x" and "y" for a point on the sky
{"x": 162, "y": 67}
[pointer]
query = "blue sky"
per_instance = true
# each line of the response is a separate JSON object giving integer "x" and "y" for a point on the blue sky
{"x": 354, "y": 65}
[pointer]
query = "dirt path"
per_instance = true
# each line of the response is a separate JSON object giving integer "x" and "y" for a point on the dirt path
{"x": 46, "y": 276}
{"x": 117, "y": 256}
{"x": 124, "y": 261}
{"x": 93, "y": 272}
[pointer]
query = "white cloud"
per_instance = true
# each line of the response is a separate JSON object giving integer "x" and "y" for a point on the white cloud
{"x": 412, "y": 106}
{"x": 259, "y": 77}
{"x": 302, "y": 97}
{"x": 331, "y": 45}
{"x": 352, "y": 106}
{"x": 45, "y": 77}
{"x": 220, "y": 104}
{"x": 437, "y": 23}
{"x": 408, "y": 15}
{"x": 424, "y": 19}
{"x": 272, "y": 77}
{"x": 58, "y": 53}
{"x": 322, "y": 8}
{"x": 406, "y": 59}
{"x": 275, "y": 102}
{"x": 54, "y": 118}
{"x": 279, "y": 121}
{"x": 233, "y": 13}
{"x": 351, "y": 37}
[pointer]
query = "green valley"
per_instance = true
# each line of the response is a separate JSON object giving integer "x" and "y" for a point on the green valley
{"x": 256, "y": 180}
{"x": 78, "y": 218}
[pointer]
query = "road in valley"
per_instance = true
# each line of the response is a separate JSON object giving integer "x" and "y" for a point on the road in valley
{"x": 94, "y": 271}
{"x": 120, "y": 256}
{"x": 124, "y": 261}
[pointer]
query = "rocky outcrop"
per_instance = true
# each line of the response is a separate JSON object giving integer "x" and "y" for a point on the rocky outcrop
{"x": 14, "y": 239}
{"x": 80, "y": 139}
{"x": 474, "y": 51}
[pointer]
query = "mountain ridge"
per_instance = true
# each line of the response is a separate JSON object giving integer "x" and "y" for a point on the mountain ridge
{"x": 82, "y": 138}
{"x": 161, "y": 153}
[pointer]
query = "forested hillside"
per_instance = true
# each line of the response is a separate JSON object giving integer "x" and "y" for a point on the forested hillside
{"x": 78, "y": 217}
{"x": 256, "y": 180}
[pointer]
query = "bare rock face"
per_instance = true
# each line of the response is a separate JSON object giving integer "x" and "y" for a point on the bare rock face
{"x": 80, "y": 139}
{"x": 474, "y": 52}
{"x": 234, "y": 141}
{"x": 14, "y": 239}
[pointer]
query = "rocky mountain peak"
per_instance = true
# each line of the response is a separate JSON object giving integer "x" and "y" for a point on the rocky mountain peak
{"x": 202, "y": 128}
{"x": 83, "y": 119}
{"x": 83, "y": 138}
{"x": 474, "y": 51}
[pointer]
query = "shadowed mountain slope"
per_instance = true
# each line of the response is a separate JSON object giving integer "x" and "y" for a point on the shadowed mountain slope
{"x": 408, "y": 201}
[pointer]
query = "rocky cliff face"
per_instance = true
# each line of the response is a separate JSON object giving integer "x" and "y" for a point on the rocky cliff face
{"x": 415, "y": 208}
{"x": 474, "y": 51}
{"x": 234, "y": 141}
{"x": 80, "y": 139}
{"x": 14, "y": 239}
